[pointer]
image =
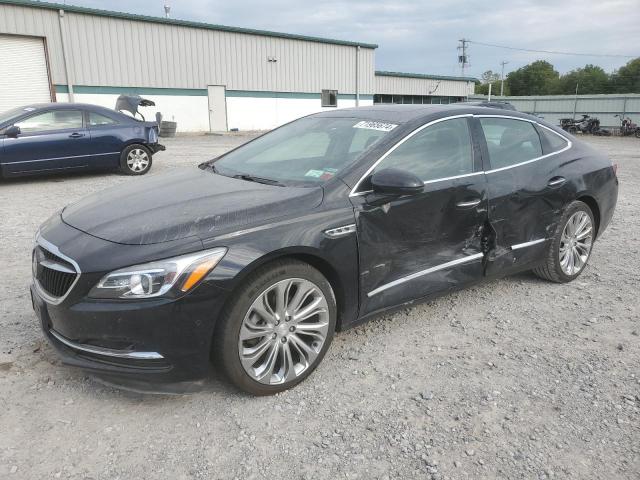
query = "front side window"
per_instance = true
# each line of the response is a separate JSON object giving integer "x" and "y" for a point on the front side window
{"x": 510, "y": 141}
{"x": 308, "y": 151}
{"x": 441, "y": 150}
{"x": 52, "y": 120}
{"x": 329, "y": 98}
{"x": 95, "y": 120}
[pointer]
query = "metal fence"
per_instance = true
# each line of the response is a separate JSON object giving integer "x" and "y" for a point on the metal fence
{"x": 554, "y": 107}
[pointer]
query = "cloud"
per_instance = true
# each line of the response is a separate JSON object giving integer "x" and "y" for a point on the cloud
{"x": 422, "y": 36}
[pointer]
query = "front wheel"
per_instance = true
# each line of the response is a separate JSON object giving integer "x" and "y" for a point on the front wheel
{"x": 135, "y": 160}
{"x": 277, "y": 328}
{"x": 570, "y": 248}
{"x": 638, "y": 133}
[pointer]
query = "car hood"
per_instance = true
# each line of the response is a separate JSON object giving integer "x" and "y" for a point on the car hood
{"x": 184, "y": 203}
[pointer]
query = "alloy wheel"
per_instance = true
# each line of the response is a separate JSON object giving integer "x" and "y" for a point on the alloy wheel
{"x": 575, "y": 243}
{"x": 138, "y": 160}
{"x": 283, "y": 331}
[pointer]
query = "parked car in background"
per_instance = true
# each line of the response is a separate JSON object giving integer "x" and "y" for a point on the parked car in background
{"x": 54, "y": 137}
{"x": 257, "y": 257}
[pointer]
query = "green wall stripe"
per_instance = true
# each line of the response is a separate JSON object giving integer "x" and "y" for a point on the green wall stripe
{"x": 198, "y": 92}
{"x": 190, "y": 92}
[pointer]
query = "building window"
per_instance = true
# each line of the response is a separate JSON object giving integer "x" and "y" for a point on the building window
{"x": 329, "y": 98}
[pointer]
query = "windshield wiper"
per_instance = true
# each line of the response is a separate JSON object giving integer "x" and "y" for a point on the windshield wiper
{"x": 266, "y": 181}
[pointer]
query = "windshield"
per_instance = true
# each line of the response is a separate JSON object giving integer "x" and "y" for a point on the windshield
{"x": 308, "y": 151}
{"x": 9, "y": 114}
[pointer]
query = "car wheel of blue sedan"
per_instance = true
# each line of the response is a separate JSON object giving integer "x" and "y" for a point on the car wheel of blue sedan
{"x": 135, "y": 160}
{"x": 277, "y": 329}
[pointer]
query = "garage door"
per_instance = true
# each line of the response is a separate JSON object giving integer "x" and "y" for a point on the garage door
{"x": 24, "y": 76}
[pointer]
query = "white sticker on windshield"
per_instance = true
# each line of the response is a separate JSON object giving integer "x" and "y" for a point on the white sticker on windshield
{"x": 383, "y": 127}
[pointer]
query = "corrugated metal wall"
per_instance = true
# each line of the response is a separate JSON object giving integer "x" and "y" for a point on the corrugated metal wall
{"x": 120, "y": 52}
{"x": 391, "y": 85}
{"x": 555, "y": 107}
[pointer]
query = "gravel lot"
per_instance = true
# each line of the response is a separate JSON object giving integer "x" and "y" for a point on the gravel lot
{"x": 516, "y": 378}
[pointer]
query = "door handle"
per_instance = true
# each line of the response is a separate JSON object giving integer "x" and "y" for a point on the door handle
{"x": 556, "y": 181}
{"x": 468, "y": 203}
{"x": 76, "y": 135}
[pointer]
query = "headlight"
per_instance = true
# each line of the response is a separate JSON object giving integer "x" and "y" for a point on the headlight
{"x": 174, "y": 275}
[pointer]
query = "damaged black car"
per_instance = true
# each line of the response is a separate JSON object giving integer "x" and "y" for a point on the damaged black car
{"x": 252, "y": 261}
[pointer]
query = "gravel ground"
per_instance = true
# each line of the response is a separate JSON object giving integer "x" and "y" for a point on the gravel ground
{"x": 516, "y": 378}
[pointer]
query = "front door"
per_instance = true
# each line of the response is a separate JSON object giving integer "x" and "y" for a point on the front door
{"x": 217, "y": 108}
{"x": 419, "y": 245}
{"x": 52, "y": 140}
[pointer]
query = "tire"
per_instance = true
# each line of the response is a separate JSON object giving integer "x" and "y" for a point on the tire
{"x": 553, "y": 268}
{"x": 273, "y": 330}
{"x": 638, "y": 133}
{"x": 135, "y": 159}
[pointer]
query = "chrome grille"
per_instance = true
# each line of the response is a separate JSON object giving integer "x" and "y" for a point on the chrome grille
{"x": 54, "y": 275}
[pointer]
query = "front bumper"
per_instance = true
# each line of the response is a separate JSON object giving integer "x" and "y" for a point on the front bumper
{"x": 156, "y": 346}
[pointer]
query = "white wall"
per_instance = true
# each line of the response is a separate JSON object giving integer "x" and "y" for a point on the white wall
{"x": 191, "y": 112}
{"x": 251, "y": 113}
{"x": 243, "y": 113}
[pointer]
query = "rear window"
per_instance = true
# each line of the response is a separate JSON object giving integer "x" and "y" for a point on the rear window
{"x": 556, "y": 142}
{"x": 510, "y": 141}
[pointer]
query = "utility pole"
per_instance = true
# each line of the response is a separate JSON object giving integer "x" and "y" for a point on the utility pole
{"x": 503, "y": 63}
{"x": 463, "y": 59}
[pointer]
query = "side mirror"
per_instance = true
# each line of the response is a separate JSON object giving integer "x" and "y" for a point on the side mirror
{"x": 13, "y": 131}
{"x": 393, "y": 181}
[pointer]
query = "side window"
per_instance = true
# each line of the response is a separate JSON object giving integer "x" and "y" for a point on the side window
{"x": 95, "y": 120}
{"x": 510, "y": 141}
{"x": 439, "y": 151}
{"x": 52, "y": 120}
{"x": 555, "y": 141}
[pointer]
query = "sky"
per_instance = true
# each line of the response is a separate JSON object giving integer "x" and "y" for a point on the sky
{"x": 422, "y": 36}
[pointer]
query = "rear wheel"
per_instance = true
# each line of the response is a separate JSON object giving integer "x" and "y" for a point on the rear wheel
{"x": 569, "y": 250}
{"x": 135, "y": 160}
{"x": 277, "y": 328}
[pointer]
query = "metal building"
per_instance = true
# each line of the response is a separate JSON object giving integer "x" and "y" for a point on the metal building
{"x": 205, "y": 77}
{"x": 397, "y": 87}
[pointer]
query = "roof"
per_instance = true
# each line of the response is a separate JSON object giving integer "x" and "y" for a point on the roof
{"x": 183, "y": 23}
{"x": 397, "y": 113}
{"x": 424, "y": 76}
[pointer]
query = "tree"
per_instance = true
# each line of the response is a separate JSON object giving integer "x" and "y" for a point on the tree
{"x": 627, "y": 78}
{"x": 590, "y": 79}
{"x": 493, "y": 78}
{"x": 537, "y": 78}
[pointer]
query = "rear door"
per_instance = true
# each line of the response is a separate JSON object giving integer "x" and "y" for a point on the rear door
{"x": 50, "y": 140}
{"x": 419, "y": 245}
{"x": 520, "y": 177}
{"x": 108, "y": 138}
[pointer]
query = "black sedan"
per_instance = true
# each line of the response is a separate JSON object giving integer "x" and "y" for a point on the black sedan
{"x": 252, "y": 261}
{"x": 62, "y": 137}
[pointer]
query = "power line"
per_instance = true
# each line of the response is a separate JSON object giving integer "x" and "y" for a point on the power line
{"x": 551, "y": 51}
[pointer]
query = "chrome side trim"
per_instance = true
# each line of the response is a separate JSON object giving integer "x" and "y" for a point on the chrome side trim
{"x": 59, "y": 158}
{"x": 527, "y": 244}
{"x": 340, "y": 231}
{"x": 399, "y": 281}
{"x": 354, "y": 193}
{"x": 107, "y": 352}
{"x": 53, "y": 249}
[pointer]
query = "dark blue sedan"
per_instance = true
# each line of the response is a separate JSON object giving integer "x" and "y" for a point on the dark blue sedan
{"x": 56, "y": 137}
